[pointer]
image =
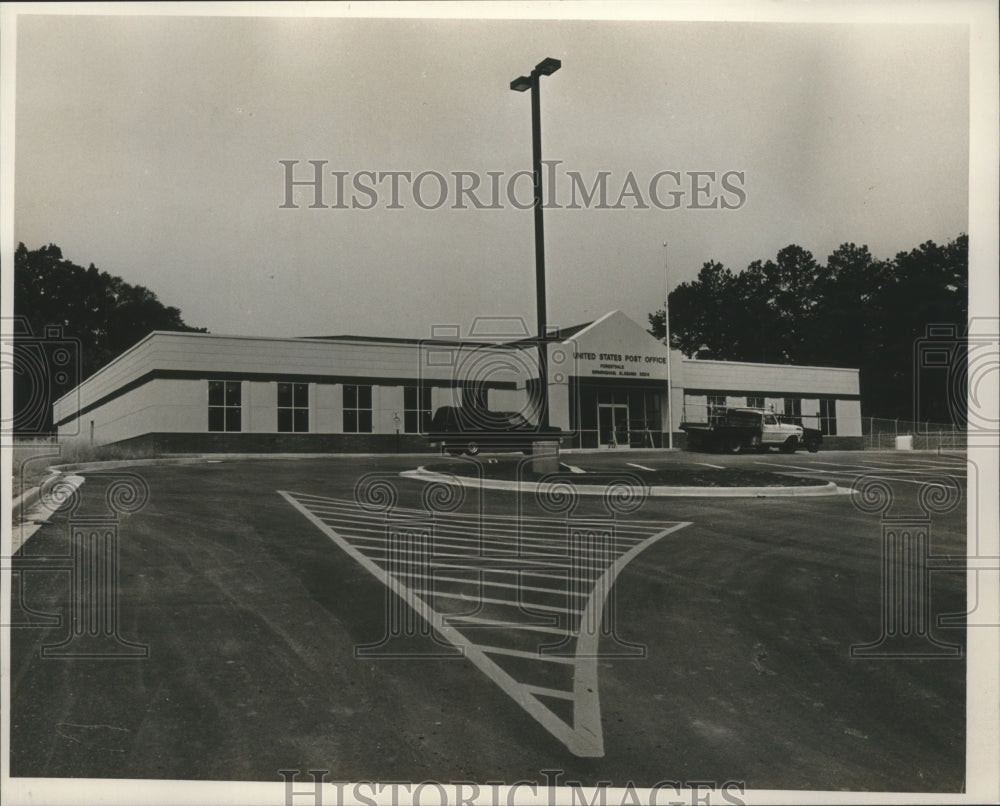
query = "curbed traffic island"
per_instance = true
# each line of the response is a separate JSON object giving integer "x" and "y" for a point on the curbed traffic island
{"x": 521, "y": 476}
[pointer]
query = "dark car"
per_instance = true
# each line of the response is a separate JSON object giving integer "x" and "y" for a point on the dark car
{"x": 812, "y": 438}
{"x": 457, "y": 430}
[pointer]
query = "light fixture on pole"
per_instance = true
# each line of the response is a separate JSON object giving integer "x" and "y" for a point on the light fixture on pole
{"x": 546, "y": 67}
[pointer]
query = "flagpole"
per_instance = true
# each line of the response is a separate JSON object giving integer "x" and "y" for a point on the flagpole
{"x": 666, "y": 339}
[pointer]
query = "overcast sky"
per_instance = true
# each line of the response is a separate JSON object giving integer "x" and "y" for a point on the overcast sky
{"x": 150, "y": 146}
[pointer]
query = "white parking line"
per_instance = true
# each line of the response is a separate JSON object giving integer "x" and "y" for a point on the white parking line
{"x": 487, "y": 584}
{"x": 641, "y": 467}
{"x": 855, "y": 474}
{"x": 800, "y": 467}
{"x": 550, "y": 692}
{"x": 518, "y": 603}
{"x": 482, "y": 621}
{"x": 834, "y": 464}
{"x": 708, "y": 464}
{"x": 520, "y": 653}
{"x": 922, "y": 482}
{"x": 573, "y": 468}
{"x": 945, "y": 463}
{"x": 888, "y": 468}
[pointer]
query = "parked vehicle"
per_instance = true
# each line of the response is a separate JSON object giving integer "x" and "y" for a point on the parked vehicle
{"x": 812, "y": 438}
{"x": 745, "y": 429}
{"x": 464, "y": 430}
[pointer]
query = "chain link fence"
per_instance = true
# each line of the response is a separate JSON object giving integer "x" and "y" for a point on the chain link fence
{"x": 885, "y": 434}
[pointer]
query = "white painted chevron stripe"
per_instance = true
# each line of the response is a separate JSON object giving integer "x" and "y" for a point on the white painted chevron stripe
{"x": 362, "y": 536}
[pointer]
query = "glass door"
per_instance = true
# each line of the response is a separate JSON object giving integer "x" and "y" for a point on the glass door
{"x": 612, "y": 425}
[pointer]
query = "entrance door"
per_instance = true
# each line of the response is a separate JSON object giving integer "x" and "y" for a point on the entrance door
{"x": 612, "y": 425}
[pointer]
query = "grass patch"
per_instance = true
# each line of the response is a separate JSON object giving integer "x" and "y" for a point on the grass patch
{"x": 30, "y": 460}
{"x": 33, "y": 458}
{"x": 78, "y": 453}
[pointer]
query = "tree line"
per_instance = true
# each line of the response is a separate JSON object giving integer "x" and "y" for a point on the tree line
{"x": 69, "y": 322}
{"x": 854, "y": 310}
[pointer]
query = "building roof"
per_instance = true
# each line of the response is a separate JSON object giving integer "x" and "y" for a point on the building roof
{"x": 560, "y": 334}
{"x": 400, "y": 340}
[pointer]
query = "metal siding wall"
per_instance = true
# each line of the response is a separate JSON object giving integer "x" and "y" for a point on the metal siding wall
{"x": 160, "y": 405}
{"x": 209, "y": 354}
{"x": 770, "y": 377}
{"x": 130, "y": 365}
{"x": 260, "y": 408}
{"x": 387, "y": 401}
{"x": 445, "y": 396}
{"x": 559, "y": 405}
{"x": 329, "y": 409}
{"x": 167, "y": 405}
{"x": 810, "y": 412}
{"x": 677, "y": 405}
{"x": 849, "y": 418}
{"x": 508, "y": 399}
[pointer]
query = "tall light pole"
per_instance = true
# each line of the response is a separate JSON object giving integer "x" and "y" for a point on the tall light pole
{"x": 546, "y": 67}
{"x": 666, "y": 340}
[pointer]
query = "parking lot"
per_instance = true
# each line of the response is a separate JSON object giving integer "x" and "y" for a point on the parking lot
{"x": 284, "y": 616}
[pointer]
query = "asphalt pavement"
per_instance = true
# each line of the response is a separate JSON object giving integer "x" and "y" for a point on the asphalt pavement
{"x": 261, "y": 622}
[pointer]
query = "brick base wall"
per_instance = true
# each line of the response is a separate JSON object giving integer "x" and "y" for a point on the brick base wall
{"x": 342, "y": 443}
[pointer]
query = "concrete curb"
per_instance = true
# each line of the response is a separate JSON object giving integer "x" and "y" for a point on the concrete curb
{"x": 24, "y": 521}
{"x": 201, "y": 458}
{"x": 111, "y": 464}
{"x": 23, "y": 501}
{"x": 657, "y": 491}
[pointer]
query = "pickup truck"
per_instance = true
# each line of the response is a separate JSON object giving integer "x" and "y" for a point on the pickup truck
{"x": 457, "y": 430}
{"x": 747, "y": 429}
{"x": 812, "y": 438}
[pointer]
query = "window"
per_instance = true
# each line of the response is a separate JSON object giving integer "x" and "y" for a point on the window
{"x": 357, "y": 409}
{"x": 793, "y": 407}
{"x": 716, "y": 408}
{"x": 225, "y": 401}
{"x": 416, "y": 409}
{"x": 293, "y": 407}
{"x": 745, "y": 419}
{"x": 755, "y": 402}
{"x": 828, "y": 417}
